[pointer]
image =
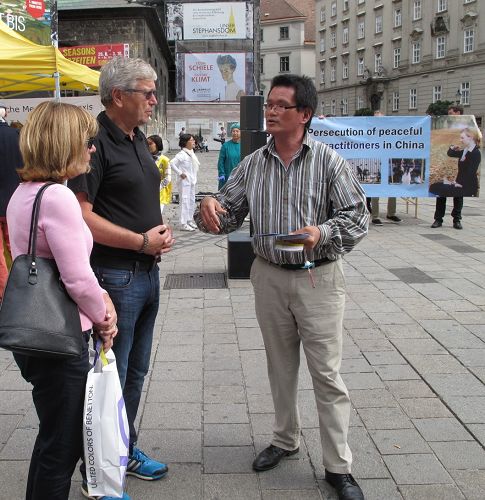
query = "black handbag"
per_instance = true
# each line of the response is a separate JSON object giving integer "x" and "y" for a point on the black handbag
{"x": 37, "y": 315}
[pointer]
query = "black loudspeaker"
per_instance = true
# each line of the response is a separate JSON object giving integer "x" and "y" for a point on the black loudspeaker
{"x": 251, "y": 140}
{"x": 251, "y": 112}
{"x": 240, "y": 255}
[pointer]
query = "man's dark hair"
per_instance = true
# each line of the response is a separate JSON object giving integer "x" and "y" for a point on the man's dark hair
{"x": 157, "y": 140}
{"x": 457, "y": 108}
{"x": 305, "y": 92}
{"x": 184, "y": 139}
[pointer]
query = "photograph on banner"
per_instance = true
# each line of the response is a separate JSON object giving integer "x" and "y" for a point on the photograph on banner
{"x": 367, "y": 170}
{"x": 209, "y": 21}
{"x": 407, "y": 171}
{"x": 390, "y": 155}
{"x": 29, "y": 18}
{"x": 455, "y": 156}
{"x": 213, "y": 76}
{"x": 18, "y": 109}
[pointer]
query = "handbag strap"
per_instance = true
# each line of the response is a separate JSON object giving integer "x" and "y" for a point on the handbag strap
{"x": 34, "y": 220}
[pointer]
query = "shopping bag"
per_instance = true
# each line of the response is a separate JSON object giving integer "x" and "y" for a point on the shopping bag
{"x": 105, "y": 427}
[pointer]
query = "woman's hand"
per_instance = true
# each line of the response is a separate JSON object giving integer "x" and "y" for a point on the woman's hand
{"x": 107, "y": 329}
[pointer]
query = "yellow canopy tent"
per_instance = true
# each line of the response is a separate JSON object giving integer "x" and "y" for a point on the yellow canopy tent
{"x": 28, "y": 67}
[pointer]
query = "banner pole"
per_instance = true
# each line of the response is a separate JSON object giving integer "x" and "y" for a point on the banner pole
{"x": 55, "y": 43}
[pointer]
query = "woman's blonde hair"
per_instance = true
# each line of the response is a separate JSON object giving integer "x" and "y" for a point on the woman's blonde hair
{"x": 53, "y": 142}
{"x": 474, "y": 133}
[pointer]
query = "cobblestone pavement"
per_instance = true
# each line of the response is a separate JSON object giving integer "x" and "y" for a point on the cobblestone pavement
{"x": 414, "y": 363}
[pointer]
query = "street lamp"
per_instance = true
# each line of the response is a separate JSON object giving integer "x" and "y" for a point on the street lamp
{"x": 458, "y": 96}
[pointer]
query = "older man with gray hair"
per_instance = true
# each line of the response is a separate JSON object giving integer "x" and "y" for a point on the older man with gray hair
{"x": 119, "y": 198}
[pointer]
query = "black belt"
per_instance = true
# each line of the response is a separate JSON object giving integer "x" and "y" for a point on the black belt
{"x": 128, "y": 265}
{"x": 299, "y": 267}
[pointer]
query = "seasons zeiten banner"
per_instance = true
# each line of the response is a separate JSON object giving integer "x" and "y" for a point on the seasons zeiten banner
{"x": 209, "y": 21}
{"x": 95, "y": 55}
{"x": 407, "y": 156}
{"x": 30, "y": 18}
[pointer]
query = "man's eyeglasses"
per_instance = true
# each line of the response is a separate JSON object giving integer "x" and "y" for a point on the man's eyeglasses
{"x": 277, "y": 107}
{"x": 147, "y": 93}
{"x": 90, "y": 143}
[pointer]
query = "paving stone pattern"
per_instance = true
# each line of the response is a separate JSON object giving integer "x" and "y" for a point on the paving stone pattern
{"x": 414, "y": 363}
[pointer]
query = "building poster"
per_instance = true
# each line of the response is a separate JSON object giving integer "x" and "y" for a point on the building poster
{"x": 95, "y": 56}
{"x": 214, "y": 76}
{"x": 407, "y": 156}
{"x": 29, "y": 18}
{"x": 209, "y": 21}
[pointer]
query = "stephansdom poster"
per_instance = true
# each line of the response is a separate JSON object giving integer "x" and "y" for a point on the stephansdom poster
{"x": 406, "y": 155}
{"x": 209, "y": 21}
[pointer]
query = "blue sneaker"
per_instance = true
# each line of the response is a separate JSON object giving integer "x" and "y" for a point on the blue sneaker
{"x": 143, "y": 467}
{"x": 84, "y": 491}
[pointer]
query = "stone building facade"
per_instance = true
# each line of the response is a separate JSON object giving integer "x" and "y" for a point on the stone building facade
{"x": 86, "y": 22}
{"x": 287, "y": 39}
{"x": 400, "y": 55}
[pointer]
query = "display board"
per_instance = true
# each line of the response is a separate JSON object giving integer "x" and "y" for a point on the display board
{"x": 209, "y": 21}
{"x": 407, "y": 156}
{"x": 30, "y": 18}
{"x": 212, "y": 76}
{"x": 18, "y": 109}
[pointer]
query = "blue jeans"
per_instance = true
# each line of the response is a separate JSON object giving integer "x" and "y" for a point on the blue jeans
{"x": 135, "y": 295}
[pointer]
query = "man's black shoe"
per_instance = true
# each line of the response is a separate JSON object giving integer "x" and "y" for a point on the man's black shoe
{"x": 436, "y": 224}
{"x": 457, "y": 224}
{"x": 345, "y": 486}
{"x": 270, "y": 457}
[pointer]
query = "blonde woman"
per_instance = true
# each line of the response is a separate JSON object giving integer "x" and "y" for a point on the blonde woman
{"x": 56, "y": 146}
{"x": 466, "y": 180}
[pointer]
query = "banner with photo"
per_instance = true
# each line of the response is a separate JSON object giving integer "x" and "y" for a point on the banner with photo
{"x": 212, "y": 76}
{"x": 209, "y": 21}
{"x": 29, "y": 18}
{"x": 407, "y": 156}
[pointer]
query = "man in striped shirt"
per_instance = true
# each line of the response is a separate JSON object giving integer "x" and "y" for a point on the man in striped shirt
{"x": 297, "y": 185}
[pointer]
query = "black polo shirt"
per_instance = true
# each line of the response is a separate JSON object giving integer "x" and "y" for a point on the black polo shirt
{"x": 124, "y": 188}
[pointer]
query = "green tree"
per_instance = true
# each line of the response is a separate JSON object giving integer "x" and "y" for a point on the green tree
{"x": 364, "y": 112}
{"x": 439, "y": 108}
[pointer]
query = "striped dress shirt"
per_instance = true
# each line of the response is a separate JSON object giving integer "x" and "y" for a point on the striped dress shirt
{"x": 318, "y": 188}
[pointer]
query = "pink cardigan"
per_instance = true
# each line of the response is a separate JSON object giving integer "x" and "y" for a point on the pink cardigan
{"x": 62, "y": 235}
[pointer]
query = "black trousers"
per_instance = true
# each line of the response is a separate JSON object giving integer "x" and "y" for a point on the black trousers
{"x": 58, "y": 394}
{"x": 441, "y": 208}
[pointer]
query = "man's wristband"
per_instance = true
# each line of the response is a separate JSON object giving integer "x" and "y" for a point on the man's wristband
{"x": 145, "y": 243}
